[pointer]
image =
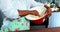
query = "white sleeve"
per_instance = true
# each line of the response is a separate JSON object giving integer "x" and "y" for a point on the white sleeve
{"x": 8, "y": 10}
{"x": 34, "y": 3}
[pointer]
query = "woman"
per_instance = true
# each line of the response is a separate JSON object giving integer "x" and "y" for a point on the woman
{"x": 15, "y": 12}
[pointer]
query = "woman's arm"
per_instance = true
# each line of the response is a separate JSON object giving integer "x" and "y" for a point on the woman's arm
{"x": 23, "y": 13}
{"x": 26, "y": 12}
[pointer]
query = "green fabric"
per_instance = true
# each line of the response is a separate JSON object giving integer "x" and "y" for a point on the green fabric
{"x": 15, "y": 24}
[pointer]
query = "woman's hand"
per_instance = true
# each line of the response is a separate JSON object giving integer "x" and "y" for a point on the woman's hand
{"x": 48, "y": 11}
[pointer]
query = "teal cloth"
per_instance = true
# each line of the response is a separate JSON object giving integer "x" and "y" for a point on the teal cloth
{"x": 22, "y": 25}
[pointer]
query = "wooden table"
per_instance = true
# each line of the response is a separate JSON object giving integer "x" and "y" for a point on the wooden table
{"x": 57, "y": 29}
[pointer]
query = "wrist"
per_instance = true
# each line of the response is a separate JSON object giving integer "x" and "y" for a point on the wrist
{"x": 46, "y": 6}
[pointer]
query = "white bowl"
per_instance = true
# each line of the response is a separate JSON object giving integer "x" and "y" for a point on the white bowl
{"x": 33, "y": 17}
{"x": 41, "y": 10}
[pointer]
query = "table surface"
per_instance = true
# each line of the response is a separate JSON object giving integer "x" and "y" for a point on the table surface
{"x": 56, "y": 29}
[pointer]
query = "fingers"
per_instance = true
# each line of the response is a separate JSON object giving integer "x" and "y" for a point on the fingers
{"x": 48, "y": 13}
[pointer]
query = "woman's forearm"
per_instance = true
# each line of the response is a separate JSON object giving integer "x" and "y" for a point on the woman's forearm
{"x": 26, "y": 12}
{"x": 23, "y": 13}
